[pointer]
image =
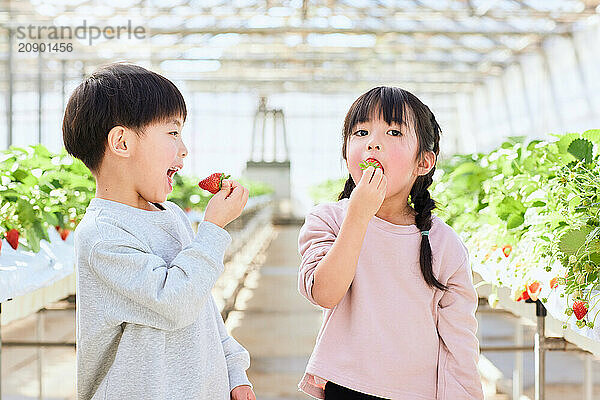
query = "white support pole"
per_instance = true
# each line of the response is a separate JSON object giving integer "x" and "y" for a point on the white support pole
{"x": 517, "y": 384}
{"x": 588, "y": 378}
{"x": 540, "y": 359}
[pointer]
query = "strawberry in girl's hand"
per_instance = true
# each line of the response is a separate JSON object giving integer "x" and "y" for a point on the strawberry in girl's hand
{"x": 579, "y": 309}
{"x": 12, "y": 237}
{"x": 370, "y": 162}
{"x": 213, "y": 182}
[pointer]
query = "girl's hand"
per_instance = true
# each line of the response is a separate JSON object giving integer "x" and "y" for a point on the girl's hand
{"x": 368, "y": 195}
{"x": 243, "y": 392}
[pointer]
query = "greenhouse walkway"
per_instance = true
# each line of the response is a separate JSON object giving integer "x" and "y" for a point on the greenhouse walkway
{"x": 275, "y": 324}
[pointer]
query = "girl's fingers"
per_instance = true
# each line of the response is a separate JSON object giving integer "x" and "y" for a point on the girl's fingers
{"x": 366, "y": 176}
{"x": 382, "y": 183}
{"x": 377, "y": 176}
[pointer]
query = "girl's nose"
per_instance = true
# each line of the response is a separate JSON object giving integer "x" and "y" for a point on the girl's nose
{"x": 376, "y": 146}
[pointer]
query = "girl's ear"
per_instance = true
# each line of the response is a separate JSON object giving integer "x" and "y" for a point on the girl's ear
{"x": 426, "y": 163}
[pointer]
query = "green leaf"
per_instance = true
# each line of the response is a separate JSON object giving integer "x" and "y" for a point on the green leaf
{"x": 538, "y": 203}
{"x": 52, "y": 219}
{"x": 40, "y": 231}
{"x": 581, "y": 149}
{"x": 514, "y": 221}
{"x": 509, "y": 206}
{"x": 20, "y": 174}
{"x": 571, "y": 241}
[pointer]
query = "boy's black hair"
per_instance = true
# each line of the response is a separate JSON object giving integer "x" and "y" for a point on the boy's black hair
{"x": 397, "y": 105}
{"x": 116, "y": 94}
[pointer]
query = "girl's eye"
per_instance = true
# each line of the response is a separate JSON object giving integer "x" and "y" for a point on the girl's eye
{"x": 395, "y": 132}
{"x": 175, "y": 132}
{"x": 361, "y": 132}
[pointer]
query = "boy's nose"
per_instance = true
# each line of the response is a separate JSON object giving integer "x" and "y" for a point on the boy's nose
{"x": 373, "y": 146}
{"x": 184, "y": 151}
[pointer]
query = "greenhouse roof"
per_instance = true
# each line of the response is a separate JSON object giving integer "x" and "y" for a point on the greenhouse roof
{"x": 303, "y": 45}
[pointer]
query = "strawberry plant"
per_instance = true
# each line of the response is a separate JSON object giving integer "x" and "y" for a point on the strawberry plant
{"x": 40, "y": 190}
{"x": 530, "y": 211}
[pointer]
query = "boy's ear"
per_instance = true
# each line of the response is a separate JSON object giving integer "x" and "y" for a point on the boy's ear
{"x": 426, "y": 163}
{"x": 119, "y": 141}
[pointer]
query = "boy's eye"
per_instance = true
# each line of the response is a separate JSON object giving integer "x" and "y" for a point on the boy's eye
{"x": 175, "y": 132}
{"x": 361, "y": 132}
{"x": 395, "y": 132}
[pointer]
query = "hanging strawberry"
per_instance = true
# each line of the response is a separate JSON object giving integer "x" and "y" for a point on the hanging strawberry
{"x": 12, "y": 237}
{"x": 579, "y": 309}
{"x": 533, "y": 290}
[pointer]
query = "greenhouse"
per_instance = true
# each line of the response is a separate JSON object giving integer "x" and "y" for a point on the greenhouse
{"x": 464, "y": 265}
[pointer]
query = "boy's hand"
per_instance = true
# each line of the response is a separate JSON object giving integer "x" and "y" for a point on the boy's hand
{"x": 243, "y": 392}
{"x": 368, "y": 195}
{"x": 227, "y": 204}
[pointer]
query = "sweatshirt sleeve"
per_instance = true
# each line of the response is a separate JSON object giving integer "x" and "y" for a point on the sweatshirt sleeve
{"x": 458, "y": 377}
{"x": 147, "y": 291}
{"x": 316, "y": 237}
{"x": 236, "y": 356}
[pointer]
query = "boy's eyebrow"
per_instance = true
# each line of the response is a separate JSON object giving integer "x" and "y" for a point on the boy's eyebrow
{"x": 177, "y": 123}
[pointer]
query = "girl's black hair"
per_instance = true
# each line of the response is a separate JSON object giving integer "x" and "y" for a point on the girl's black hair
{"x": 394, "y": 105}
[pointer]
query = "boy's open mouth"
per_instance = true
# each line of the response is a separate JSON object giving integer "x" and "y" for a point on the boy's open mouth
{"x": 170, "y": 173}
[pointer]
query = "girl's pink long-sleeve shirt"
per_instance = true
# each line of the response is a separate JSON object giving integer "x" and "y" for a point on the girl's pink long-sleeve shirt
{"x": 391, "y": 335}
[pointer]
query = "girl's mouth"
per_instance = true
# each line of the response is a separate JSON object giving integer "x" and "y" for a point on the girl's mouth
{"x": 371, "y": 162}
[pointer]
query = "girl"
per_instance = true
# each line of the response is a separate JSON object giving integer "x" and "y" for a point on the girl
{"x": 394, "y": 281}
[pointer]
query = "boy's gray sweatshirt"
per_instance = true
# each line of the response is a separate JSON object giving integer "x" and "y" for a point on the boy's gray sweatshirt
{"x": 147, "y": 324}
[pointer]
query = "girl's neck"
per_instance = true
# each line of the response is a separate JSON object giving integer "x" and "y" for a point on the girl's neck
{"x": 402, "y": 214}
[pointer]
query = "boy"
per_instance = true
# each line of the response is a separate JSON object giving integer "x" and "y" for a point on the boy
{"x": 147, "y": 324}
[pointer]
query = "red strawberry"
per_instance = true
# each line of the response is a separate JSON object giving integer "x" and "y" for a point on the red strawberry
{"x": 554, "y": 282}
{"x": 579, "y": 309}
{"x": 213, "y": 182}
{"x": 0, "y": 246}
{"x": 12, "y": 237}
{"x": 533, "y": 290}
{"x": 370, "y": 162}
{"x": 64, "y": 233}
{"x": 523, "y": 296}
{"x": 188, "y": 209}
{"x": 506, "y": 250}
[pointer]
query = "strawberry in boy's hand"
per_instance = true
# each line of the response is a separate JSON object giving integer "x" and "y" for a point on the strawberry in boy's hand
{"x": 370, "y": 162}
{"x": 213, "y": 182}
